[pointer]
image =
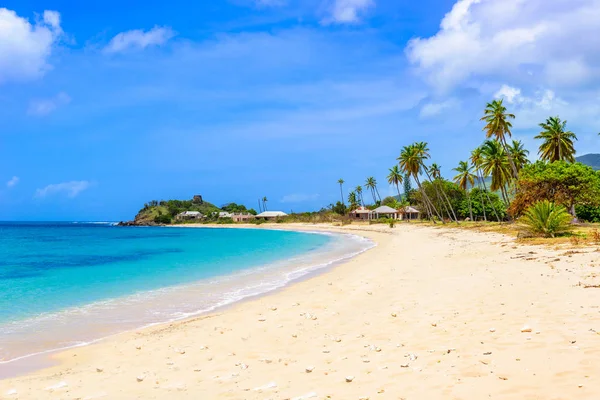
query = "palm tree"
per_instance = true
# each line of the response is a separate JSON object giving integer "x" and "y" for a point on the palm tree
{"x": 358, "y": 191}
{"x": 498, "y": 126}
{"x": 259, "y": 206}
{"x": 352, "y": 199}
{"x": 465, "y": 180}
{"x": 341, "y": 182}
{"x": 264, "y": 200}
{"x": 519, "y": 154}
{"x": 495, "y": 163}
{"x": 558, "y": 141}
{"x": 371, "y": 183}
{"x": 436, "y": 173}
{"x": 411, "y": 162}
{"x": 395, "y": 178}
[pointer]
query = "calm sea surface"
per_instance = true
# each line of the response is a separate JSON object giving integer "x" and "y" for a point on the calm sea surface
{"x": 67, "y": 284}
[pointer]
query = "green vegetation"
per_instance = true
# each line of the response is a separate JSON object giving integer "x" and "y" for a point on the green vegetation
{"x": 546, "y": 219}
{"x": 560, "y": 182}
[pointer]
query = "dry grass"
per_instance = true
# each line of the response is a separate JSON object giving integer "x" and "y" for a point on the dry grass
{"x": 582, "y": 236}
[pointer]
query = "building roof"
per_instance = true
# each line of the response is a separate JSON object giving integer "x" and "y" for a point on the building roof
{"x": 385, "y": 210}
{"x": 410, "y": 209}
{"x": 270, "y": 214}
{"x": 224, "y": 214}
{"x": 361, "y": 210}
{"x": 190, "y": 213}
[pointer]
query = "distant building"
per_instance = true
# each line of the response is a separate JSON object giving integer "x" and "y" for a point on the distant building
{"x": 271, "y": 215}
{"x": 241, "y": 217}
{"x": 224, "y": 214}
{"x": 197, "y": 199}
{"x": 189, "y": 215}
{"x": 362, "y": 213}
{"x": 409, "y": 213}
{"x": 386, "y": 212}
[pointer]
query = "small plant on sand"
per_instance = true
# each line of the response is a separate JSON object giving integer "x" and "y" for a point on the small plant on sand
{"x": 392, "y": 222}
{"x": 546, "y": 219}
{"x": 575, "y": 240}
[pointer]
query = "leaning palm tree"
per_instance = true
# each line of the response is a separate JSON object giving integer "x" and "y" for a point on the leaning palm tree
{"x": 558, "y": 141}
{"x": 495, "y": 164}
{"x": 395, "y": 178}
{"x": 265, "y": 200}
{"x": 465, "y": 180}
{"x": 519, "y": 154}
{"x": 411, "y": 162}
{"x": 498, "y": 126}
{"x": 358, "y": 191}
{"x": 341, "y": 182}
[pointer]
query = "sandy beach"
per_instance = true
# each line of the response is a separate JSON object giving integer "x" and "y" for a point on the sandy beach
{"x": 427, "y": 314}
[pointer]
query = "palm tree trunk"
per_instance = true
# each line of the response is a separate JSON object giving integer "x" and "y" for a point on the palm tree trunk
{"x": 481, "y": 196}
{"x": 437, "y": 192}
{"x": 259, "y": 207}
{"x": 342, "y": 193}
{"x": 470, "y": 208}
{"x": 510, "y": 159}
{"x": 427, "y": 200}
{"x": 398, "y": 189}
{"x": 377, "y": 190}
{"x": 488, "y": 197}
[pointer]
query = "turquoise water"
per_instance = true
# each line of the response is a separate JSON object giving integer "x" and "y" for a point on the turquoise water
{"x": 67, "y": 284}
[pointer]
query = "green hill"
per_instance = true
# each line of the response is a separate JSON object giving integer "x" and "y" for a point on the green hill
{"x": 593, "y": 160}
{"x": 163, "y": 212}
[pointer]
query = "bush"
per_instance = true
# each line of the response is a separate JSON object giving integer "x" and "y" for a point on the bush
{"x": 162, "y": 219}
{"x": 588, "y": 213}
{"x": 225, "y": 221}
{"x": 546, "y": 219}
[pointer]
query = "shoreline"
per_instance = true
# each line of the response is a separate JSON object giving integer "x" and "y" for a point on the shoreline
{"x": 32, "y": 363}
{"x": 428, "y": 313}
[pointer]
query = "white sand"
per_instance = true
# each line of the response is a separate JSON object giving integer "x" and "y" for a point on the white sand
{"x": 428, "y": 314}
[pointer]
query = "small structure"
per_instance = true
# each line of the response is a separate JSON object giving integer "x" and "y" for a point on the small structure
{"x": 271, "y": 215}
{"x": 241, "y": 217}
{"x": 386, "y": 211}
{"x": 225, "y": 214}
{"x": 189, "y": 215}
{"x": 362, "y": 213}
{"x": 409, "y": 213}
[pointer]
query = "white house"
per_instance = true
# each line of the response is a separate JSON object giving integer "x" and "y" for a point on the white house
{"x": 224, "y": 214}
{"x": 409, "y": 213}
{"x": 271, "y": 215}
{"x": 189, "y": 215}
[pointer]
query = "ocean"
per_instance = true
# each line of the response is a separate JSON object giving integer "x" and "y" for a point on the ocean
{"x": 70, "y": 284}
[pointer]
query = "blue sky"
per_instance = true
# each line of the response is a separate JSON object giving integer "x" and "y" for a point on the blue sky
{"x": 105, "y": 106}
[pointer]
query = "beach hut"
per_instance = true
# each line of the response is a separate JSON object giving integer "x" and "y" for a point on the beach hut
{"x": 409, "y": 213}
{"x": 386, "y": 212}
{"x": 362, "y": 213}
{"x": 271, "y": 215}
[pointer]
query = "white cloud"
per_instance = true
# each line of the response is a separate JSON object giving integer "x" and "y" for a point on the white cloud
{"x": 138, "y": 39}
{"x": 41, "y": 107}
{"x": 547, "y": 43}
{"x": 12, "y": 182}
{"x": 348, "y": 11}
{"x": 25, "y": 47}
{"x": 299, "y": 198}
{"x": 433, "y": 109}
{"x": 71, "y": 189}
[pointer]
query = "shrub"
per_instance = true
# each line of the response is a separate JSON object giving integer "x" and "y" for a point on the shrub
{"x": 546, "y": 219}
{"x": 162, "y": 219}
{"x": 588, "y": 213}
